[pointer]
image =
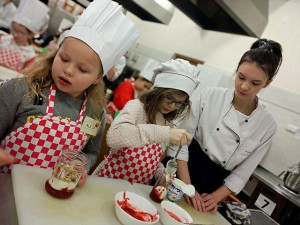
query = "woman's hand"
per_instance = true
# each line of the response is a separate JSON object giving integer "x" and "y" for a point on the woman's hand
{"x": 196, "y": 201}
{"x": 180, "y": 137}
{"x": 82, "y": 179}
{"x": 5, "y": 158}
{"x": 209, "y": 203}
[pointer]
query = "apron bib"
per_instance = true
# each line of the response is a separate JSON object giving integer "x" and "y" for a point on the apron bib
{"x": 40, "y": 142}
{"x": 12, "y": 56}
{"x": 205, "y": 174}
{"x": 137, "y": 165}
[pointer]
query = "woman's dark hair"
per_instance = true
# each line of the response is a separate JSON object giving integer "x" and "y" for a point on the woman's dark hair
{"x": 153, "y": 98}
{"x": 266, "y": 54}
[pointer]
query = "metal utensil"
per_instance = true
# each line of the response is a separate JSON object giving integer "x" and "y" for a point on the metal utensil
{"x": 171, "y": 166}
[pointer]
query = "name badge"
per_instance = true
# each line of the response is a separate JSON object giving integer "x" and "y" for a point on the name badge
{"x": 90, "y": 126}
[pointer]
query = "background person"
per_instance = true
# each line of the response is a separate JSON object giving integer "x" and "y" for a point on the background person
{"x": 232, "y": 131}
{"x": 16, "y": 49}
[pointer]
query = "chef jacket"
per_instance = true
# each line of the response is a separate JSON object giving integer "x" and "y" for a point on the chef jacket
{"x": 235, "y": 144}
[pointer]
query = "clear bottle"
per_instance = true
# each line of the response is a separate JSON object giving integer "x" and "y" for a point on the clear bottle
{"x": 66, "y": 174}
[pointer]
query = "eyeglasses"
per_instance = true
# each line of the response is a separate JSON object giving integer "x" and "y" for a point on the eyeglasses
{"x": 170, "y": 100}
{"x": 17, "y": 32}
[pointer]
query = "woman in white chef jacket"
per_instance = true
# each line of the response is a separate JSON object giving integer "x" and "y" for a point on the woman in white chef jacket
{"x": 232, "y": 131}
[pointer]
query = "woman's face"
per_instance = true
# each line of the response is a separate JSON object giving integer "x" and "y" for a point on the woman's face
{"x": 75, "y": 67}
{"x": 172, "y": 102}
{"x": 249, "y": 80}
{"x": 20, "y": 34}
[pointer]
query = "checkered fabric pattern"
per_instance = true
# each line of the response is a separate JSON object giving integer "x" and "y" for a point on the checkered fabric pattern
{"x": 12, "y": 57}
{"x": 137, "y": 165}
{"x": 41, "y": 141}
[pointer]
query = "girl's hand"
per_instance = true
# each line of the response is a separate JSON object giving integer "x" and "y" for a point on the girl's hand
{"x": 82, "y": 179}
{"x": 210, "y": 203}
{"x": 5, "y": 158}
{"x": 180, "y": 137}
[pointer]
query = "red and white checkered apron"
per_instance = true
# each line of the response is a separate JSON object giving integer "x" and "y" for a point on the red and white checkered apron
{"x": 12, "y": 56}
{"x": 39, "y": 142}
{"x": 137, "y": 165}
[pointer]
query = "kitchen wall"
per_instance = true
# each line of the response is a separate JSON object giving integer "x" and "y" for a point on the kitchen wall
{"x": 222, "y": 51}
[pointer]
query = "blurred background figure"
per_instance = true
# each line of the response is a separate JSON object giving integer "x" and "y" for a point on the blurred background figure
{"x": 117, "y": 69}
{"x": 132, "y": 88}
{"x": 16, "y": 49}
{"x": 7, "y": 12}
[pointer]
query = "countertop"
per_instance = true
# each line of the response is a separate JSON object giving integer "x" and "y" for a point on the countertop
{"x": 27, "y": 203}
{"x": 274, "y": 183}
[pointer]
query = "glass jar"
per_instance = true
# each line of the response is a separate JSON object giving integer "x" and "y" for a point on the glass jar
{"x": 66, "y": 174}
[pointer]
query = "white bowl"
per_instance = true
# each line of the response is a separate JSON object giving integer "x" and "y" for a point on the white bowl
{"x": 176, "y": 210}
{"x": 138, "y": 204}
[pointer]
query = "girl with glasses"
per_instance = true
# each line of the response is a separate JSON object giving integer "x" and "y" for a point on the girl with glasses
{"x": 139, "y": 133}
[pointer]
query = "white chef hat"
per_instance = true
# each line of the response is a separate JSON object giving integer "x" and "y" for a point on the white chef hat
{"x": 147, "y": 71}
{"x": 105, "y": 28}
{"x": 33, "y": 14}
{"x": 177, "y": 74}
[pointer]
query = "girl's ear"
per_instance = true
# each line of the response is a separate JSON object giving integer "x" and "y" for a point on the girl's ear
{"x": 97, "y": 81}
{"x": 267, "y": 83}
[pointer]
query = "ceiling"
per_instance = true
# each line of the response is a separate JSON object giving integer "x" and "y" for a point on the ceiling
{"x": 247, "y": 17}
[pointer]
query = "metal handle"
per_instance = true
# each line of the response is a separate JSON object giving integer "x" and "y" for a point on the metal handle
{"x": 178, "y": 150}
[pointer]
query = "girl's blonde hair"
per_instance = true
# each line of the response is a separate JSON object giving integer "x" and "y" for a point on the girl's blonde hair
{"x": 153, "y": 98}
{"x": 39, "y": 76}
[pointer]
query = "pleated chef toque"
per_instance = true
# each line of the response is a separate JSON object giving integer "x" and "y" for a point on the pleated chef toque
{"x": 177, "y": 74}
{"x": 33, "y": 14}
{"x": 105, "y": 28}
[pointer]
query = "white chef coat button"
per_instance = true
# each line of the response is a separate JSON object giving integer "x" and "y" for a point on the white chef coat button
{"x": 246, "y": 121}
{"x": 218, "y": 129}
{"x": 205, "y": 150}
{"x": 237, "y": 141}
{"x": 224, "y": 162}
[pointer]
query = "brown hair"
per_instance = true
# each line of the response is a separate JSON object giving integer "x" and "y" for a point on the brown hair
{"x": 39, "y": 76}
{"x": 266, "y": 54}
{"x": 152, "y": 100}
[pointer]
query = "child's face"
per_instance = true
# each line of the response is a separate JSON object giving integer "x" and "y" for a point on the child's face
{"x": 172, "y": 102}
{"x": 20, "y": 33}
{"x": 76, "y": 67}
{"x": 141, "y": 84}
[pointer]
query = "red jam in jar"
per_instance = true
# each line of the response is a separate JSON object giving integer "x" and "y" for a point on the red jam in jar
{"x": 66, "y": 174}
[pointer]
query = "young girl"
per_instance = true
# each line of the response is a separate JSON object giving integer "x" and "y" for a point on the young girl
{"x": 232, "y": 131}
{"x": 64, "y": 93}
{"x": 16, "y": 49}
{"x": 138, "y": 133}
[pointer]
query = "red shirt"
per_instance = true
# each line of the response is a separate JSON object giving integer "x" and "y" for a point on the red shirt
{"x": 123, "y": 93}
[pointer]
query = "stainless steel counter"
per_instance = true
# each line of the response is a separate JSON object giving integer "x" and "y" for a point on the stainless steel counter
{"x": 274, "y": 182}
{"x": 8, "y": 213}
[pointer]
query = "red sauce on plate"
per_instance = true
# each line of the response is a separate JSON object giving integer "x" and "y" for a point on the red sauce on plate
{"x": 175, "y": 217}
{"x": 135, "y": 212}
